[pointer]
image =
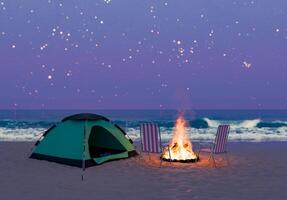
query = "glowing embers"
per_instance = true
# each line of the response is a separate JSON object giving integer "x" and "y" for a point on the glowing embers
{"x": 180, "y": 146}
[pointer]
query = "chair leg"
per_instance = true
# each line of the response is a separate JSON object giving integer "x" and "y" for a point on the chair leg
{"x": 198, "y": 153}
{"x": 141, "y": 156}
{"x": 227, "y": 159}
{"x": 210, "y": 155}
{"x": 213, "y": 159}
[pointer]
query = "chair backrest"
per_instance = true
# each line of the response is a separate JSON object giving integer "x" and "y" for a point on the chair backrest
{"x": 150, "y": 138}
{"x": 221, "y": 139}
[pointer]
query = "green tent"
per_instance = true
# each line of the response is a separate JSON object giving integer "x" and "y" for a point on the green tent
{"x": 83, "y": 139}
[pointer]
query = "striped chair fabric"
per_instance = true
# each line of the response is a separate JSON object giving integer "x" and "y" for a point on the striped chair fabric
{"x": 150, "y": 138}
{"x": 221, "y": 139}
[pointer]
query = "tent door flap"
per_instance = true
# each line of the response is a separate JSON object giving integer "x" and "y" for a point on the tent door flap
{"x": 100, "y": 160}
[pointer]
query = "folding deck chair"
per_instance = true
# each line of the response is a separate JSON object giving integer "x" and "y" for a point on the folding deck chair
{"x": 218, "y": 146}
{"x": 150, "y": 138}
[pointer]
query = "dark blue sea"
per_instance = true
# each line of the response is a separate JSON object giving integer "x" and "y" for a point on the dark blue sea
{"x": 246, "y": 125}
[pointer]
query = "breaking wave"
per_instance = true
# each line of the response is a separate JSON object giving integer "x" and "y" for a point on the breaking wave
{"x": 233, "y": 124}
{"x": 25, "y": 124}
{"x": 200, "y": 129}
{"x": 274, "y": 124}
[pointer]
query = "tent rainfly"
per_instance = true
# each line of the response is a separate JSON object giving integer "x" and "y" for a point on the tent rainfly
{"x": 86, "y": 138}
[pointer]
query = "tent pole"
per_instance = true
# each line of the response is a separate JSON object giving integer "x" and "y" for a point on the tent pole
{"x": 84, "y": 149}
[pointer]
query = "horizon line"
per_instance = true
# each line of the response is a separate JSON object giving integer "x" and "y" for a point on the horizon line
{"x": 139, "y": 109}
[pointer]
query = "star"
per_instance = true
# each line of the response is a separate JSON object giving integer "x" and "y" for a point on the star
{"x": 246, "y": 64}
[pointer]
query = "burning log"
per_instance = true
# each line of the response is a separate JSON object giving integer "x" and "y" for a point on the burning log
{"x": 180, "y": 147}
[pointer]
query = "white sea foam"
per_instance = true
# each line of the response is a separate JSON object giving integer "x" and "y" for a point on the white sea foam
{"x": 27, "y": 134}
{"x": 236, "y": 134}
{"x": 246, "y": 124}
{"x": 212, "y": 123}
{"x": 233, "y": 124}
{"x": 245, "y": 132}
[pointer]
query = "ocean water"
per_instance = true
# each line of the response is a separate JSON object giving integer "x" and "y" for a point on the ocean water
{"x": 246, "y": 125}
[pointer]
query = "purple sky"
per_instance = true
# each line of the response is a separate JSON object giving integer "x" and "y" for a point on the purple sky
{"x": 134, "y": 54}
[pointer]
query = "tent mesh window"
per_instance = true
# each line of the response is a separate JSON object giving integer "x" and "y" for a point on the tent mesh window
{"x": 103, "y": 143}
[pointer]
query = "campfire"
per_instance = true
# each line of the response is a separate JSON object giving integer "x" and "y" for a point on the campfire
{"x": 180, "y": 147}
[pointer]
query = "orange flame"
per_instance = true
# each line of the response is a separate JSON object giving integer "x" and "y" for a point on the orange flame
{"x": 180, "y": 147}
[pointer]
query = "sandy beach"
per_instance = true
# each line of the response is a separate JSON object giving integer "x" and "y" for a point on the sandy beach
{"x": 257, "y": 171}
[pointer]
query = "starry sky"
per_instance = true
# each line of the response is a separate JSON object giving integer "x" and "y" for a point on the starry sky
{"x": 135, "y": 54}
